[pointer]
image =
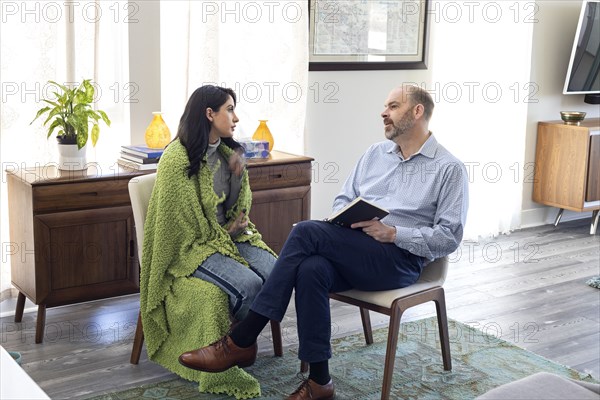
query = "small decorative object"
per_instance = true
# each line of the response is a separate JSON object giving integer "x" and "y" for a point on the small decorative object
{"x": 16, "y": 356}
{"x": 255, "y": 148}
{"x": 158, "y": 134}
{"x": 263, "y": 133}
{"x": 72, "y": 113}
{"x": 594, "y": 282}
{"x": 572, "y": 117}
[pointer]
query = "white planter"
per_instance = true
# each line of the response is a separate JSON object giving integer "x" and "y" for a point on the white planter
{"x": 70, "y": 158}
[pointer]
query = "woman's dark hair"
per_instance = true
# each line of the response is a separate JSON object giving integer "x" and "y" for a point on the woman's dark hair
{"x": 194, "y": 127}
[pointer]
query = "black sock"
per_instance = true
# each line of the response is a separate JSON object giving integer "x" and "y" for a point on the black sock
{"x": 247, "y": 330}
{"x": 319, "y": 372}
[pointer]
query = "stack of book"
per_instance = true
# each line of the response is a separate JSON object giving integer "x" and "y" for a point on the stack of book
{"x": 139, "y": 157}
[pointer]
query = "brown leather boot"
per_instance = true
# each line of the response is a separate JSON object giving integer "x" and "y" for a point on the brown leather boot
{"x": 219, "y": 356}
{"x": 310, "y": 389}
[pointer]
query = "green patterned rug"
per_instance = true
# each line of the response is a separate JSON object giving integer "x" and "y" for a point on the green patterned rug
{"x": 480, "y": 362}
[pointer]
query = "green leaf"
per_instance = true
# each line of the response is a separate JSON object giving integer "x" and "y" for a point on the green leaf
{"x": 81, "y": 109}
{"x": 91, "y": 114}
{"x": 104, "y": 117}
{"x": 64, "y": 88}
{"x": 95, "y": 134}
{"x": 55, "y": 124}
{"x": 52, "y": 114}
{"x": 81, "y": 141}
{"x": 79, "y": 123}
{"x": 40, "y": 112}
{"x": 64, "y": 99}
{"x": 89, "y": 91}
{"x": 82, "y": 137}
{"x": 55, "y": 104}
{"x": 80, "y": 97}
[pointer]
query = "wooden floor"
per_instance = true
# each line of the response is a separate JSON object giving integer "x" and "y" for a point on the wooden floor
{"x": 527, "y": 287}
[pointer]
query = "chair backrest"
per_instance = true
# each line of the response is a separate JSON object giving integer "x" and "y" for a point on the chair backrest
{"x": 140, "y": 190}
{"x": 435, "y": 271}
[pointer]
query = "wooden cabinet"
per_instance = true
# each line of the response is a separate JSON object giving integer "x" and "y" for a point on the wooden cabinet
{"x": 567, "y": 167}
{"x": 280, "y": 195}
{"x": 72, "y": 237}
{"x": 72, "y": 233}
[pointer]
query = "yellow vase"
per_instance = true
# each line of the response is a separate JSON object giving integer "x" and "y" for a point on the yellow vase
{"x": 158, "y": 134}
{"x": 263, "y": 133}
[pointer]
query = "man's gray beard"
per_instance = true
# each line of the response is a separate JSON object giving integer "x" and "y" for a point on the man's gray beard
{"x": 406, "y": 123}
{"x": 393, "y": 133}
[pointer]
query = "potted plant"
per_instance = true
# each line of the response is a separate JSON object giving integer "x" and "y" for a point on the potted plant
{"x": 71, "y": 113}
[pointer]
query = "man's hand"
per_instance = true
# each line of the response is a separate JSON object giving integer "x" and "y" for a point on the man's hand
{"x": 377, "y": 230}
{"x": 238, "y": 225}
{"x": 237, "y": 162}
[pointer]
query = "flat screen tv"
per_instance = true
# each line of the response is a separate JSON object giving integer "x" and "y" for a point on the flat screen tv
{"x": 583, "y": 75}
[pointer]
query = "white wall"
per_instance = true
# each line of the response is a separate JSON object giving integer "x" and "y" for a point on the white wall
{"x": 529, "y": 45}
{"x": 552, "y": 41}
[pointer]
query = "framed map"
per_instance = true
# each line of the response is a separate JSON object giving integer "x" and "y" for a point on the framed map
{"x": 368, "y": 34}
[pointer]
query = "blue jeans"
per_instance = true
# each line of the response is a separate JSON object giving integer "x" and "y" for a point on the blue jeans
{"x": 239, "y": 282}
{"x": 319, "y": 258}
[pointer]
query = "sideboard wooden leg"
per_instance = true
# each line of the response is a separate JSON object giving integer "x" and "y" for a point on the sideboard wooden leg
{"x": 41, "y": 323}
{"x": 20, "y": 307}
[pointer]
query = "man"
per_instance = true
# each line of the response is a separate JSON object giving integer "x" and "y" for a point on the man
{"x": 425, "y": 189}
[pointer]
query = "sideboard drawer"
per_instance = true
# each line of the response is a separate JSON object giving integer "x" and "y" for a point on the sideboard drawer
{"x": 279, "y": 175}
{"x": 83, "y": 195}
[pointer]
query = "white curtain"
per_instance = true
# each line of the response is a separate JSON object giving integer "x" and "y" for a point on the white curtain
{"x": 257, "y": 48}
{"x": 483, "y": 90}
{"x": 65, "y": 42}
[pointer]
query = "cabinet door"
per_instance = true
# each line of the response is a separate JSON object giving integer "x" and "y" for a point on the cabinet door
{"x": 85, "y": 255}
{"x": 561, "y": 170}
{"x": 593, "y": 173}
{"x": 275, "y": 211}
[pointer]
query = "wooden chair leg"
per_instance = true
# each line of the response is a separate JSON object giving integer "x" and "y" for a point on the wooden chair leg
{"x": 440, "y": 305}
{"x": 276, "y": 335}
{"x": 40, "y": 324}
{"x": 138, "y": 341}
{"x": 390, "y": 352}
{"x": 366, "y": 323}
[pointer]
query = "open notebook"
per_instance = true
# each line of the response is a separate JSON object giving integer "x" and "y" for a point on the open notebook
{"x": 358, "y": 210}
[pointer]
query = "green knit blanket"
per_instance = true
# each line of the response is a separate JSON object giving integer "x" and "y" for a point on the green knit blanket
{"x": 180, "y": 312}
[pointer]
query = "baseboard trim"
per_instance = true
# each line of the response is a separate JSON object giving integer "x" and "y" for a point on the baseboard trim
{"x": 546, "y": 215}
{"x": 8, "y": 294}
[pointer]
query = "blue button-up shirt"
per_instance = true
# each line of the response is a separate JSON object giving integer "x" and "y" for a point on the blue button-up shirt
{"x": 426, "y": 195}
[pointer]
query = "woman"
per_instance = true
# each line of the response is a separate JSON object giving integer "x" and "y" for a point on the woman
{"x": 206, "y": 131}
{"x": 203, "y": 260}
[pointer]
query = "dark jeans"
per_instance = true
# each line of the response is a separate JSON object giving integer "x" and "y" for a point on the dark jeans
{"x": 319, "y": 258}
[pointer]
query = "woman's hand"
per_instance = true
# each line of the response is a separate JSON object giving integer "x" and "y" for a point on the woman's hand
{"x": 237, "y": 162}
{"x": 238, "y": 225}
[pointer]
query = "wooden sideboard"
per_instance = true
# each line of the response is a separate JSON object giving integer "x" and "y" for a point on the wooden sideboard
{"x": 73, "y": 236}
{"x": 280, "y": 195}
{"x": 72, "y": 232}
{"x": 567, "y": 167}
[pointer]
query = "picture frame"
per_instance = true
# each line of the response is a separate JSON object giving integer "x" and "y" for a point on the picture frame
{"x": 368, "y": 34}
